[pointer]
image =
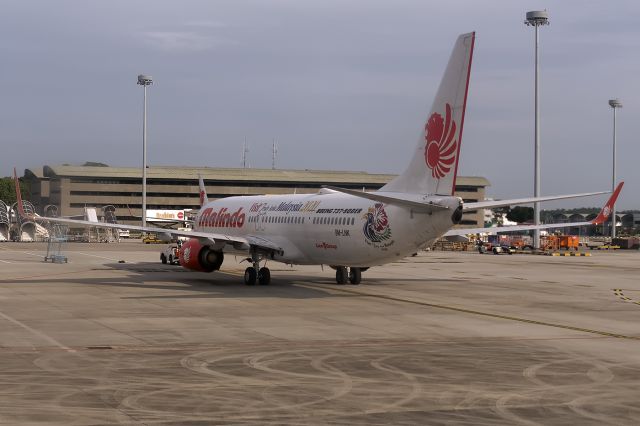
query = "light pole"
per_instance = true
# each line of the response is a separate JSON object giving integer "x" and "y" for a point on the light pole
{"x": 536, "y": 19}
{"x": 144, "y": 81}
{"x": 615, "y": 104}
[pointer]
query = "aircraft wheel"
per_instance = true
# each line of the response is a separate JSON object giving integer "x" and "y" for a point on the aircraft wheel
{"x": 250, "y": 276}
{"x": 163, "y": 259}
{"x": 170, "y": 260}
{"x": 341, "y": 275}
{"x": 355, "y": 276}
{"x": 264, "y": 276}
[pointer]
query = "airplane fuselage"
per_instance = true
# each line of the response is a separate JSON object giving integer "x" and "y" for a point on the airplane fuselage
{"x": 326, "y": 228}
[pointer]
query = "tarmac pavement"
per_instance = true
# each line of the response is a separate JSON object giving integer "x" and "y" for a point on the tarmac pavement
{"x": 440, "y": 338}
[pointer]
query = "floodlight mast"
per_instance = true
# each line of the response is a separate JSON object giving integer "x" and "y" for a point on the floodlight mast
{"x": 144, "y": 81}
{"x": 536, "y": 19}
{"x": 614, "y": 104}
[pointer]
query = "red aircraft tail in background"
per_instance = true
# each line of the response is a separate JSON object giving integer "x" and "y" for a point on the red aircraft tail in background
{"x": 18, "y": 194}
{"x": 608, "y": 208}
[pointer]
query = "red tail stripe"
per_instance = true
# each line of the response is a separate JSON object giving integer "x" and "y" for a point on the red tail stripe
{"x": 464, "y": 109}
{"x": 18, "y": 194}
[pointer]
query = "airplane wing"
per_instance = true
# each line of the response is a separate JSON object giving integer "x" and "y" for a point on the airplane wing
{"x": 602, "y": 217}
{"x": 515, "y": 228}
{"x": 162, "y": 232}
{"x": 238, "y": 243}
{"x": 502, "y": 203}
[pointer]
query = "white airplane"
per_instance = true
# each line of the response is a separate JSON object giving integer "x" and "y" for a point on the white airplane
{"x": 350, "y": 230}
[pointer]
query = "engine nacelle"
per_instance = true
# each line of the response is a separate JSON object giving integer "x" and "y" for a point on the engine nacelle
{"x": 456, "y": 217}
{"x": 197, "y": 257}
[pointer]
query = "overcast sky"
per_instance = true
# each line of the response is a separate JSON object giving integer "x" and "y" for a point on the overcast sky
{"x": 340, "y": 85}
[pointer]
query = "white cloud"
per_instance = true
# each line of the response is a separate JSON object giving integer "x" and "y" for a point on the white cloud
{"x": 205, "y": 24}
{"x": 183, "y": 41}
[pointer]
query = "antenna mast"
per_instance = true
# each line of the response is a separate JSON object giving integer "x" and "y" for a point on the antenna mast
{"x": 245, "y": 150}
{"x": 274, "y": 152}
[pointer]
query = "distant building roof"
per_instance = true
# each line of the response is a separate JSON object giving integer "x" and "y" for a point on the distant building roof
{"x": 228, "y": 174}
{"x": 37, "y": 172}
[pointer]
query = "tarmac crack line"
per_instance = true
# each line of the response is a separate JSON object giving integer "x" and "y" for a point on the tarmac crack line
{"x": 485, "y": 314}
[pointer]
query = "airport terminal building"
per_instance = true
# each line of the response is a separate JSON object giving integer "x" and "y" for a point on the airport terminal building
{"x": 72, "y": 188}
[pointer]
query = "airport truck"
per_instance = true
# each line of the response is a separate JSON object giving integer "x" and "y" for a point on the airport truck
{"x": 171, "y": 254}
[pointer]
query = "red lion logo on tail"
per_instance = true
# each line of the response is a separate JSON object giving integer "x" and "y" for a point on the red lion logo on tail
{"x": 441, "y": 149}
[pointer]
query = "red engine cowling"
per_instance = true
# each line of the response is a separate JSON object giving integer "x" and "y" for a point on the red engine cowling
{"x": 197, "y": 257}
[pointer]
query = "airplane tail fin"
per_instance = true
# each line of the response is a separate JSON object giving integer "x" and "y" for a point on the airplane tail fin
{"x": 606, "y": 211}
{"x": 18, "y": 194}
{"x": 203, "y": 192}
{"x": 434, "y": 165}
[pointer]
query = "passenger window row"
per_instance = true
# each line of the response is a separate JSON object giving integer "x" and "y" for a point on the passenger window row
{"x": 300, "y": 220}
{"x": 333, "y": 220}
{"x": 276, "y": 219}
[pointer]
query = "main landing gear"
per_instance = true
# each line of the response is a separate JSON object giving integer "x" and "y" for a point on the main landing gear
{"x": 255, "y": 273}
{"x": 353, "y": 275}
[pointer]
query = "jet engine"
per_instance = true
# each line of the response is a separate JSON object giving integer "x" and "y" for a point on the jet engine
{"x": 198, "y": 257}
{"x": 456, "y": 217}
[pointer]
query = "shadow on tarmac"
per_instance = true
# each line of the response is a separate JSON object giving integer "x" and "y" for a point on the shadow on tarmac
{"x": 218, "y": 284}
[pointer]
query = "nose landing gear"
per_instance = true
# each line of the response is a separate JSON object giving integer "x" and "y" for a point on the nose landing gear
{"x": 354, "y": 275}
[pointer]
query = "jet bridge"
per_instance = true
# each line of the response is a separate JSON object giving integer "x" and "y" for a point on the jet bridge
{"x": 109, "y": 216}
{"x": 95, "y": 234}
{"x": 25, "y": 229}
{"x": 5, "y": 223}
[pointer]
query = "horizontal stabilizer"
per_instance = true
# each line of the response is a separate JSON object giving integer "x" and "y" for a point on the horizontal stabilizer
{"x": 392, "y": 199}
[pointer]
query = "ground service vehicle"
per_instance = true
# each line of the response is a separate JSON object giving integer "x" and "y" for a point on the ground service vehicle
{"x": 171, "y": 254}
{"x": 152, "y": 238}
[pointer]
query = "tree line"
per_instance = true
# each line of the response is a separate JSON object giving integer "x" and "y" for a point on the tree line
{"x": 8, "y": 192}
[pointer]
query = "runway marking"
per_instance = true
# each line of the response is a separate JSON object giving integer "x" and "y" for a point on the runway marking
{"x": 41, "y": 254}
{"x": 474, "y": 312}
{"x": 618, "y": 292}
{"x": 95, "y": 255}
{"x": 47, "y": 275}
{"x": 30, "y": 253}
{"x": 36, "y": 332}
{"x": 6, "y": 261}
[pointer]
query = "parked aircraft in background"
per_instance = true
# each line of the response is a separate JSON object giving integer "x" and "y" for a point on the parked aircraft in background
{"x": 349, "y": 230}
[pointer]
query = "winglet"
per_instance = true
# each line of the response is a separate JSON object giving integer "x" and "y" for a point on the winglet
{"x": 18, "y": 194}
{"x": 203, "y": 192}
{"x": 608, "y": 208}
